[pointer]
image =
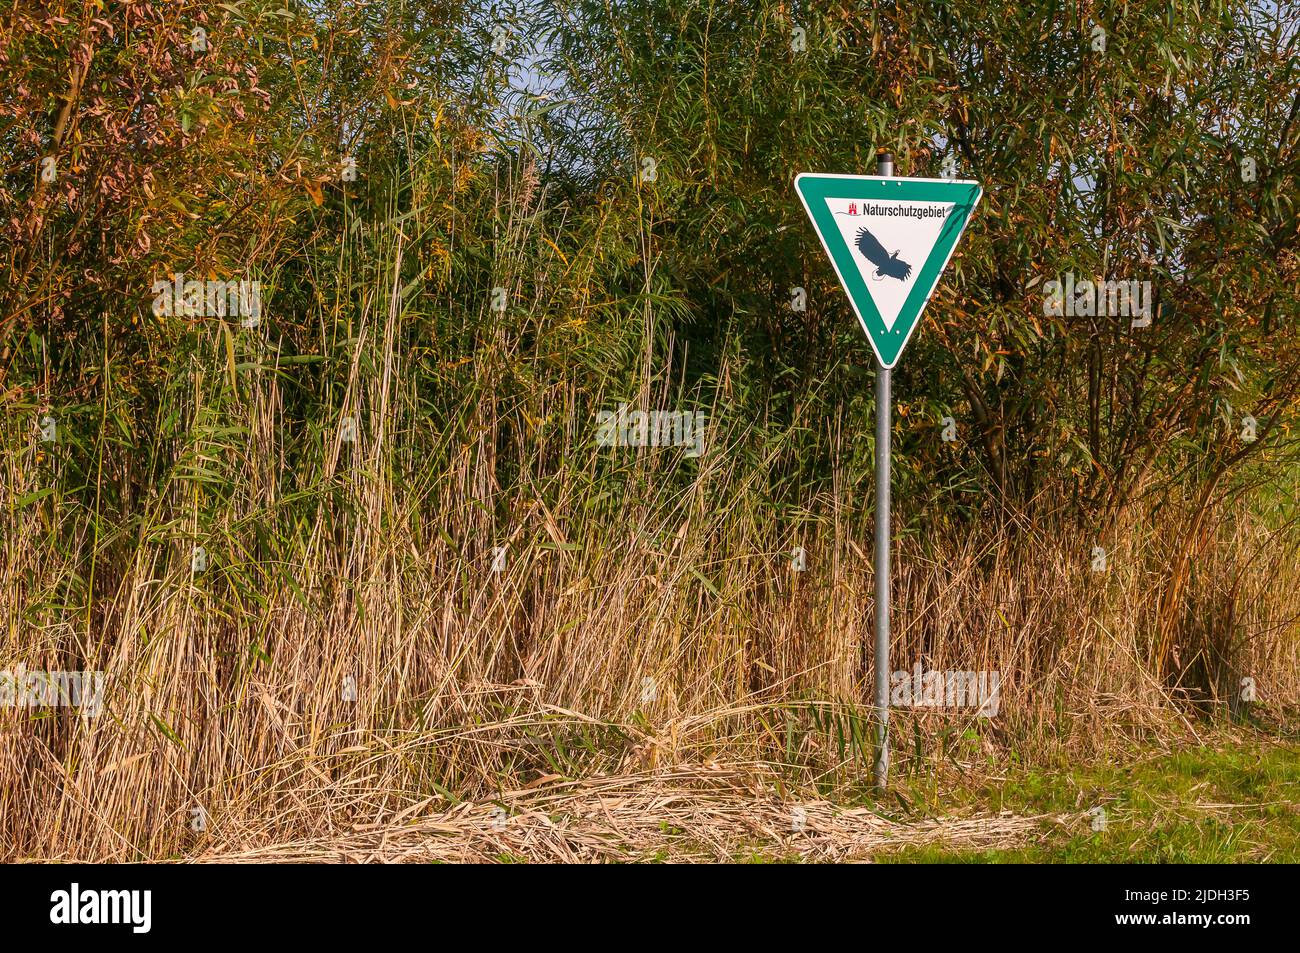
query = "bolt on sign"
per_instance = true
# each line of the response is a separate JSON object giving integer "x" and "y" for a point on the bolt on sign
{"x": 889, "y": 239}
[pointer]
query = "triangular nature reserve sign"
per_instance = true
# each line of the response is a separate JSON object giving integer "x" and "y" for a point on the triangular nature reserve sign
{"x": 889, "y": 239}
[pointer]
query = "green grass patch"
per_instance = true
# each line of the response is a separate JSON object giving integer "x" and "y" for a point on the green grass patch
{"x": 1210, "y": 804}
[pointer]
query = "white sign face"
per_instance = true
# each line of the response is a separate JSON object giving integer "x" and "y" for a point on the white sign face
{"x": 892, "y": 240}
{"x": 888, "y": 239}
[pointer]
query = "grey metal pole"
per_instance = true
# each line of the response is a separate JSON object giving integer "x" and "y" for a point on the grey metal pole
{"x": 884, "y": 421}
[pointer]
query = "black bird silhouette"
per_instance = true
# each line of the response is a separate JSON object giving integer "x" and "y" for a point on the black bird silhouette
{"x": 886, "y": 264}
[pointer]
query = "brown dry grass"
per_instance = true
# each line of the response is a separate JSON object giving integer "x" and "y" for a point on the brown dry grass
{"x": 689, "y": 813}
{"x": 474, "y": 693}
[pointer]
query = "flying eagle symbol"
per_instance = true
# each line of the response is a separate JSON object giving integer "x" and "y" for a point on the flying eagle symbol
{"x": 886, "y": 264}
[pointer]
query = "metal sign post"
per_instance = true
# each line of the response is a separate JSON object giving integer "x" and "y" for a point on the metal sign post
{"x": 884, "y": 420}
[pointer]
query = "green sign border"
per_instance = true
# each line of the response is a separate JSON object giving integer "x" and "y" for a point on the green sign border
{"x": 815, "y": 187}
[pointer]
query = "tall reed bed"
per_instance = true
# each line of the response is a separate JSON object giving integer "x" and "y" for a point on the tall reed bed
{"x": 471, "y": 593}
